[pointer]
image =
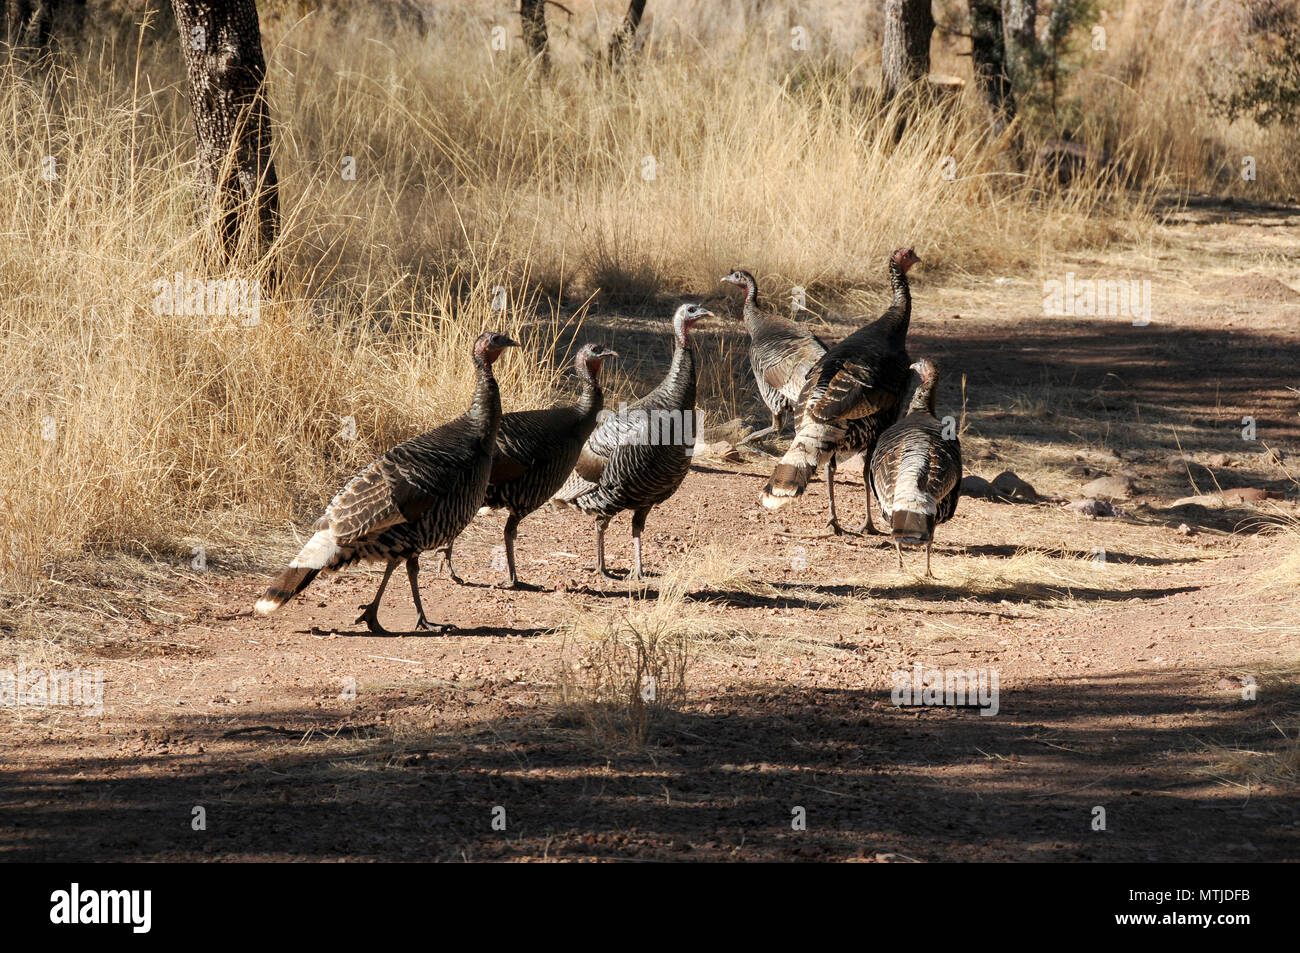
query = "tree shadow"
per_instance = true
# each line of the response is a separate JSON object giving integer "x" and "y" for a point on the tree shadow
{"x": 1023, "y": 593}
{"x": 724, "y": 779}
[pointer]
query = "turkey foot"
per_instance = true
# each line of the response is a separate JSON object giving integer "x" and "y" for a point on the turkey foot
{"x": 834, "y": 528}
{"x": 757, "y": 434}
{"x": 424, "y": 625}
{"x": 370, "y": 616}
{"x": 445, "y": 563}
{"x": 370, "y": 613}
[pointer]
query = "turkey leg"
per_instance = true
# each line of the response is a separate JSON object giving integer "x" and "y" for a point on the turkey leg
{"x": 421, "y": 623}
{"x": 512, "y": 579}
{"x": 777, "y": 421}
{"x": 370, "y": 613}
{"x": 867, "y": 528}
{"x": 602, "y": 523}
{"x": 832, "y": 524}
{"x": 638, "y": 524}
{"x": 445, "y": 553}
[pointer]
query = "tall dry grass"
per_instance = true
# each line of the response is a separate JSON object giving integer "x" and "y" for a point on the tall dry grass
{"x": 1145, "y": 97}
{"x": 153, "y": 433}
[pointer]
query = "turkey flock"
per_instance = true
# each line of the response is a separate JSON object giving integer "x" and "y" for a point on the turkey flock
{"x": 845, "y": 400}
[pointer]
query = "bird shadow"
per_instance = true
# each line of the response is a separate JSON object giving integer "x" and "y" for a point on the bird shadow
{"x": 628, "y": 590}
{"x": 739, "y": 599}
{"x": 1008, "y": 551}
{"x": 492, "y": 631}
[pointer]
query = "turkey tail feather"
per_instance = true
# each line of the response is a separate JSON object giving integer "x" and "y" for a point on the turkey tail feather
{"x": 320, "y": 552}
{"x": 811, "y": 447}
{"x": 909, "y": 526}
{"x": 913, "y": 510}
{"x": 286, "y": 585}
{"x": 789, "y": 480}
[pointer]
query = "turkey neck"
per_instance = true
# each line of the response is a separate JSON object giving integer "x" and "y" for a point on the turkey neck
{"x": 485, "y": 411}
{"x": 751, "y": 313}
{"x": 924, "y": 398}
{"x": 678, "y": 387}
{"x": 593, "y": 398}
{"x": 900, "y": 311}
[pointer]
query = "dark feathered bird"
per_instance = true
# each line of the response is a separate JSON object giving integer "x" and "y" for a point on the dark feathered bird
{"x": 852, "y": 394}
{"x": 637, "y": 458}
{"x": 781, "y": 353}
{"x": 417, "y": 496}
{"x": 916, "y": 470}
{"x": 535, "y": 453}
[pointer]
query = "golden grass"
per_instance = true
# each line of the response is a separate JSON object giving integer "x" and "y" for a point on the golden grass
{"x": 620, "y": 674}
{"x": 156, "y": 434}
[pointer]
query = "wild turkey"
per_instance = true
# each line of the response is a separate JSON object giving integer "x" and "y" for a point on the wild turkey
{"x": 852, "y": 394}
{"x": 781, "y": 353}
{"x": 916, "y": 470}
{"x": 417, "y": 496}
{"x": 637, "y": 458}
{"x": 536, "y": 451}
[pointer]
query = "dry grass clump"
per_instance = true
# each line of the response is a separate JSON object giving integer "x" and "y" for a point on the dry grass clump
{"x": 621, "y": 681}
{"x": 623, "y": 672}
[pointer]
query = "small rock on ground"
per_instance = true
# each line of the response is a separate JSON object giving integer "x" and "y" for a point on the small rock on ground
{"x": 1114, "y": 487}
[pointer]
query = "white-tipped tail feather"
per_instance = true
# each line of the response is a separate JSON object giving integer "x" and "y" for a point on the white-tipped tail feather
{"x": 912, "y": 510}
{"x": 811, "y": 448}
{"x": 319, "y": 554}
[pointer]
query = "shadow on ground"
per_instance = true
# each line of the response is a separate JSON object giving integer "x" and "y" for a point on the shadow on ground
{"x": 722, "y": 781}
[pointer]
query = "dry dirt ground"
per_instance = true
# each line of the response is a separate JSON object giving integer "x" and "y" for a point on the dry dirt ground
{"x": 1121, "y": 645}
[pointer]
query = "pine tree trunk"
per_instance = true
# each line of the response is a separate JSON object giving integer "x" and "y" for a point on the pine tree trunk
{"x": 905, "y": 52}
{"x": 1020, "y": 19}
{"x": 533, "y": 15}
{"x": 988, "y": 57}
{"x": 238, "y": 189}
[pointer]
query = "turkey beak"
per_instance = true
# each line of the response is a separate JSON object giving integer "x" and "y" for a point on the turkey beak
{"x": 509, "y": 342}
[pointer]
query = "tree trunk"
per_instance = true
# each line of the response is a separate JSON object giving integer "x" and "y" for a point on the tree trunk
{"x": 626, "y": 33}
{"x": 533, "y": 15}
{"x": 222, "y": 45}
{"x": 1020, "y": 21}
{"x": 1059, "y": 24}
{"x": 988, "y": 57}
{"x": 905, "y": 52}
